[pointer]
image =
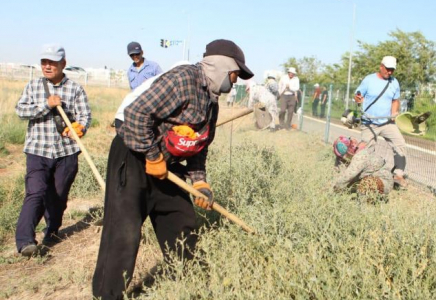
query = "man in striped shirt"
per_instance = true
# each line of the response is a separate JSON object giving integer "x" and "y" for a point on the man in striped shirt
{"x": 140, "y": 159}
{"x": 52, "y": 153}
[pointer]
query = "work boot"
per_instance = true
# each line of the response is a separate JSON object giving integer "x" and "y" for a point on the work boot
{"x": 400, "y": 182}
{"x": 29, "y": 250}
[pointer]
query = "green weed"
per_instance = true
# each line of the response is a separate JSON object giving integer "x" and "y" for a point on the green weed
{"x": 11, "y": 199}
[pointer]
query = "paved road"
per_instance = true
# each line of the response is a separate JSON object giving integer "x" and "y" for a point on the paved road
{"x": 421, "y": 155}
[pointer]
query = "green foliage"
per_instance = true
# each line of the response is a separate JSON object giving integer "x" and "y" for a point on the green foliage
{"x": 94, "y": 122}
{"x": 309, "y": 69}
{"x": 13, "y": 130}
{"x": 86, "y": 185}
{"x": 415, "y": 54}
{"x": 11, "y": 199}
{"x": 3, "y": 150}
{"x": 310, "y": 242}
{"x": 424, "y": 103}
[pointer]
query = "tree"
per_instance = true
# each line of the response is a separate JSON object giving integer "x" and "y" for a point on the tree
{"x": 309, "y": 69}
{"x": 416, "y": 57}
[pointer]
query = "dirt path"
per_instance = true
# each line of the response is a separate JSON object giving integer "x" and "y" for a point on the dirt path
{"x": 65, "y": 270}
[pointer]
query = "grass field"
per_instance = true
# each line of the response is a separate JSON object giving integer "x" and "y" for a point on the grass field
{"x": 310, "y": 243}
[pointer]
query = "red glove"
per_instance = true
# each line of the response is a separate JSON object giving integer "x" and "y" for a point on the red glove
{"x": 79, "y": 129}
{"x": 204, "y": 188}
{"x": 157, "y": 168}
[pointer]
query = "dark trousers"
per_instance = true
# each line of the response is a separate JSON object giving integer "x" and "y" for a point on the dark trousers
{"x": 48, "y": 182}
{"x": 322, "y": 115}
{"x": 132, "y": 196}
{"x": 315, "y": 107}
{"x": 287, "y": 104}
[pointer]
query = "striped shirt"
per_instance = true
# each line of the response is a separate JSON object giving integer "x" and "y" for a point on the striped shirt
{"x": 180, "y": 96}
{"x": 42, "y": 138}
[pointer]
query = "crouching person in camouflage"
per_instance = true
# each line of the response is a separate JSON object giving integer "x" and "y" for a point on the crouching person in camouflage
{"x": 362, "y": 171}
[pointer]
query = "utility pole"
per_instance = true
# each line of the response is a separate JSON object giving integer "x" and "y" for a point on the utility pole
{"x": 347, "y": 95}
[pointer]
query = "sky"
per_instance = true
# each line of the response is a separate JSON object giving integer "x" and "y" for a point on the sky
{"x": 95, "y": 33}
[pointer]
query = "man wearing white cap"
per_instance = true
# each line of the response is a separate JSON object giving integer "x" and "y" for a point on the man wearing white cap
{"x": 288, "y": 88}
{"x": 379, "y": 93}
{"x": 51, "y": 151}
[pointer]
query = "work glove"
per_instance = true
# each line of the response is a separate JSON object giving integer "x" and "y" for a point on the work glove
{"x": 204, "y": 188}
{"x": 78, "y": 128}
{"x": 157, "y": 168}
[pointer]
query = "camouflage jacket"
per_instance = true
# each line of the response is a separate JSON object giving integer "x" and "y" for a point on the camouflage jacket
{"x": 365, "y": 163}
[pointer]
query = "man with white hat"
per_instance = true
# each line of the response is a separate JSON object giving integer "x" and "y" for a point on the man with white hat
{"x": 379, "y": 93}
{"x": 51, "y": 151}
{"x": 288, "y": 89}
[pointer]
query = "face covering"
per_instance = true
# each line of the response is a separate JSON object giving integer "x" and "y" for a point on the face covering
{"x": 216, "y": 69}
{"x": 226, "y": 85}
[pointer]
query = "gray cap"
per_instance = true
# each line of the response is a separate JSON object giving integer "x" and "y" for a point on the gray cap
{"x": 54, "y": 52}
{"x": 133, "y": 48}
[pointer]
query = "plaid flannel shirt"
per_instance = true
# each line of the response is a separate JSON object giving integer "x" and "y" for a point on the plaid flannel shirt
{"x": 42, "y": 138}
{"x": 178, "y": 97}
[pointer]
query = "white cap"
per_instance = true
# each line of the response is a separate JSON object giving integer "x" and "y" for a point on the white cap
{"x": 316, "y": 85}
{"x": 389, "y": 62}
{"x": 292, "y": 70}
{"x": 54, "y": 52}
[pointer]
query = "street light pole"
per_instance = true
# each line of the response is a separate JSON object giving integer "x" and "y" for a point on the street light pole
{"x": 350, "y": 58}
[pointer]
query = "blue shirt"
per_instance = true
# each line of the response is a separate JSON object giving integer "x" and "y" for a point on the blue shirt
{"x": 370, "y": 88}
{"x": 147, "y": 70}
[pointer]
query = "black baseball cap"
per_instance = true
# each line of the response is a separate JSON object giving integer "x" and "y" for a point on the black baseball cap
{"x": 133, "y": 48}
{"x": 230, "y": 49}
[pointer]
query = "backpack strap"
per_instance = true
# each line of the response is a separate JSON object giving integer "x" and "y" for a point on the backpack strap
{"x": 46, "y": 90}
{"x": 378, "y": 97}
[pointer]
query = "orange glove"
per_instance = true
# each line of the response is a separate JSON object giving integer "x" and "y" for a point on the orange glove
{"x": 79, "y": 129}
{"x": 157, "y": 168}
{"x": 204, "y": 188}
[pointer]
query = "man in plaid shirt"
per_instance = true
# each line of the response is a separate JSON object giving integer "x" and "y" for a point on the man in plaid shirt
{"x": 52, "y": 153}
{"x": 140, "y": 158}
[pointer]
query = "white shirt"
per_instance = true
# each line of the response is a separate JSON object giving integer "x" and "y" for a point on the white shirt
{"x": 288, "y": 86}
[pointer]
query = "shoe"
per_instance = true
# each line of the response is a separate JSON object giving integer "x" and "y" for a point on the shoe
{"x": 400, "y": 182}
{"x": 29, "y": 250}
{"x": 272, "y": 130}
{"x": 51, "y": 239}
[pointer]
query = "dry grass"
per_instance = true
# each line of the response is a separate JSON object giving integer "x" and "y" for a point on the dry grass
{"x": 311, "y": 244}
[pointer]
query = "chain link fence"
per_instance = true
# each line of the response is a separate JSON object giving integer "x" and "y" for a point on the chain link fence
{"x": 421, "y": 150}
{"x": 94, "y": 77}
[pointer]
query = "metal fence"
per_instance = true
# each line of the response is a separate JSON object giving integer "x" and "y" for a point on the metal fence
{"x": 94, "y": 77}
{"x": 421, "y": 150}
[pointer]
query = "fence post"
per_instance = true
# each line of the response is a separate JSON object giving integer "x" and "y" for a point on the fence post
{"x": 329, "y": 109}
{"x": 300, "y": 125}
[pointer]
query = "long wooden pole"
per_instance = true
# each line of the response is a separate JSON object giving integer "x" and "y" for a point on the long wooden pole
{"x": 172, "y": 177}
{"x": 215, "y": 206}
{"x": 238, "y": 115}
{"x": 82, "y": 148}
